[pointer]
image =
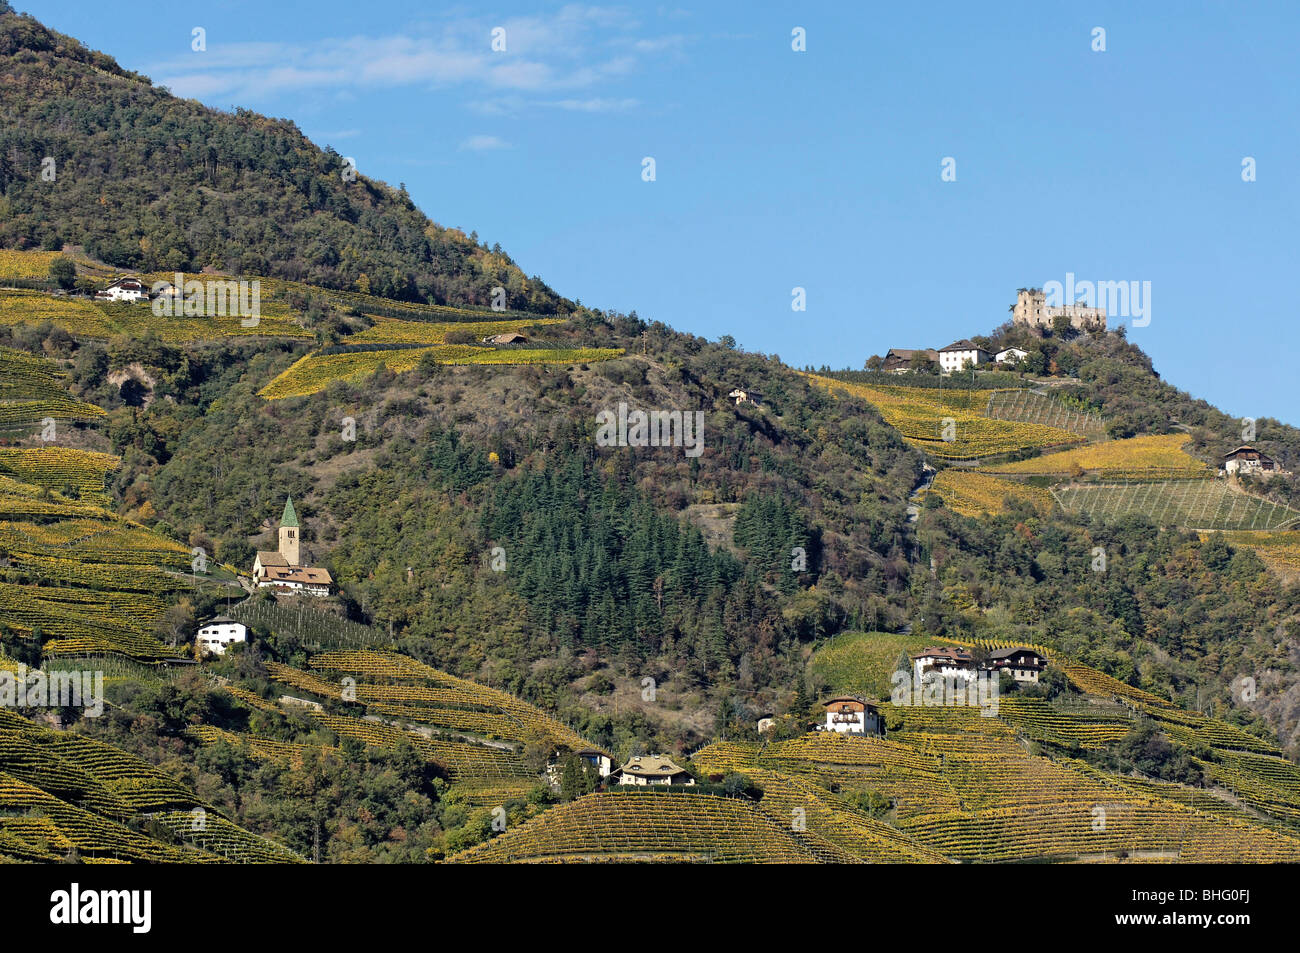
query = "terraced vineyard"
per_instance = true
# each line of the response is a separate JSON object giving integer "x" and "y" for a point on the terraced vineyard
{"x": 1280, "y": 551}
{"x": 1037, "y": 719}
{"x": 87, "y": 318}
{"x": 219, "y": 838}
{"x": 1198, "y": 799}
{"x": 27, "y": 501}
{"x": 1031, "y": 408}
{"x": 951, "y": 775}
{"x": 282, "y": 289}
{"x": 963, "y": 788}
{"x": 32, "y": 389}
{"x": 432, "y": 697}
{"x": 621, "y": 826}
{"x": 462, "y": 760}
{"x": 62, "y": 793}
{"x": 425, "y": 325}
{"x": 1266, "y": 783}
{"x": 89, "y": 586}
{"x": 315, "y": 372}
{"x": 831, "y": 828}
{"x": 275, "y": 292}
{"x": 474, "y": 732}
{"x": 1152, "y": 457}
{"x": 33, "y": 265}
{"x": 971, "y": 493}
{"x": 267, "y": 749}
{"x": 397, "y": 331}
{"x": 1194, "y": 504}
{"x": 60, "y": 468}
{"x": 1093, "y": 682}
{"x": 77, "y": 621}
{"x": 80, "y": 580}
{"x": 1190, "y": 727}
{"x": 316, "y": 629}
{"x": 920, "y": 415}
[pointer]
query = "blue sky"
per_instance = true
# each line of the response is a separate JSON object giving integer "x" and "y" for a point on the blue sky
{"x": 818, "y": 169}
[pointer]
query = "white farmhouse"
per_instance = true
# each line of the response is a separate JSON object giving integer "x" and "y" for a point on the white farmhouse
{"x": 1247, "y": 459}
{"x": 129, "y": 288}
{"x": 218, "y": 634}
{"x": 852, "y": 715}
{"x": 1011, "y": 355}
{"x": 961, "y": 354}
{"x": 947, "y": 662}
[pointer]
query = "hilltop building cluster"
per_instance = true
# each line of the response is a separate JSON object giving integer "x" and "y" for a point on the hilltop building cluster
{"x": 958, "y": 356}
{"x": 1030, "y": 310}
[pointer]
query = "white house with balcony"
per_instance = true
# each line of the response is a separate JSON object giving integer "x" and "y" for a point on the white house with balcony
{"x": 945, "y": 661}
{"x": 1021, "y": 663}
{"x": 852, "y": 715}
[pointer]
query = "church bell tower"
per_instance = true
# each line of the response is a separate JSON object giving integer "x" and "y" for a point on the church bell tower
{"x": 289, "y": 531}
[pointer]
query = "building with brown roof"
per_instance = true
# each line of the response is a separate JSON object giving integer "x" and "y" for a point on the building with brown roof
{"x": 947, "y": 661}
{"x": 1248, "y": 459}
{"x": 852, "y": 715}
{"x": 653, "y": 769}
{"x": 1021, "y": 663}
{"x": 899, "y": 360}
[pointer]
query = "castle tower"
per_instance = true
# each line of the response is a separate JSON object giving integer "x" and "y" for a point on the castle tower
{"x": 289, "y": 534}
{"x": 1030, "y": 308}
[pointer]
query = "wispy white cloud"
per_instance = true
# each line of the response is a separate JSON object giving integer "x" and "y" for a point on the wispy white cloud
{"x": 578, "y": 48}
{"x": 484, "y": 143}
{"x": 594, "y": 105}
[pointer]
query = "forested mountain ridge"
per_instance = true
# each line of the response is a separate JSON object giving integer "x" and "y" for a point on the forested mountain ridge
{"x": 627, "y": 563}
{"x": 603, "y": 546}
{"x": 93, "y": 153}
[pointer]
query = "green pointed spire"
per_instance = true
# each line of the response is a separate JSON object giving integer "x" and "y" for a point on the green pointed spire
{"x": 290, "y": 518}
